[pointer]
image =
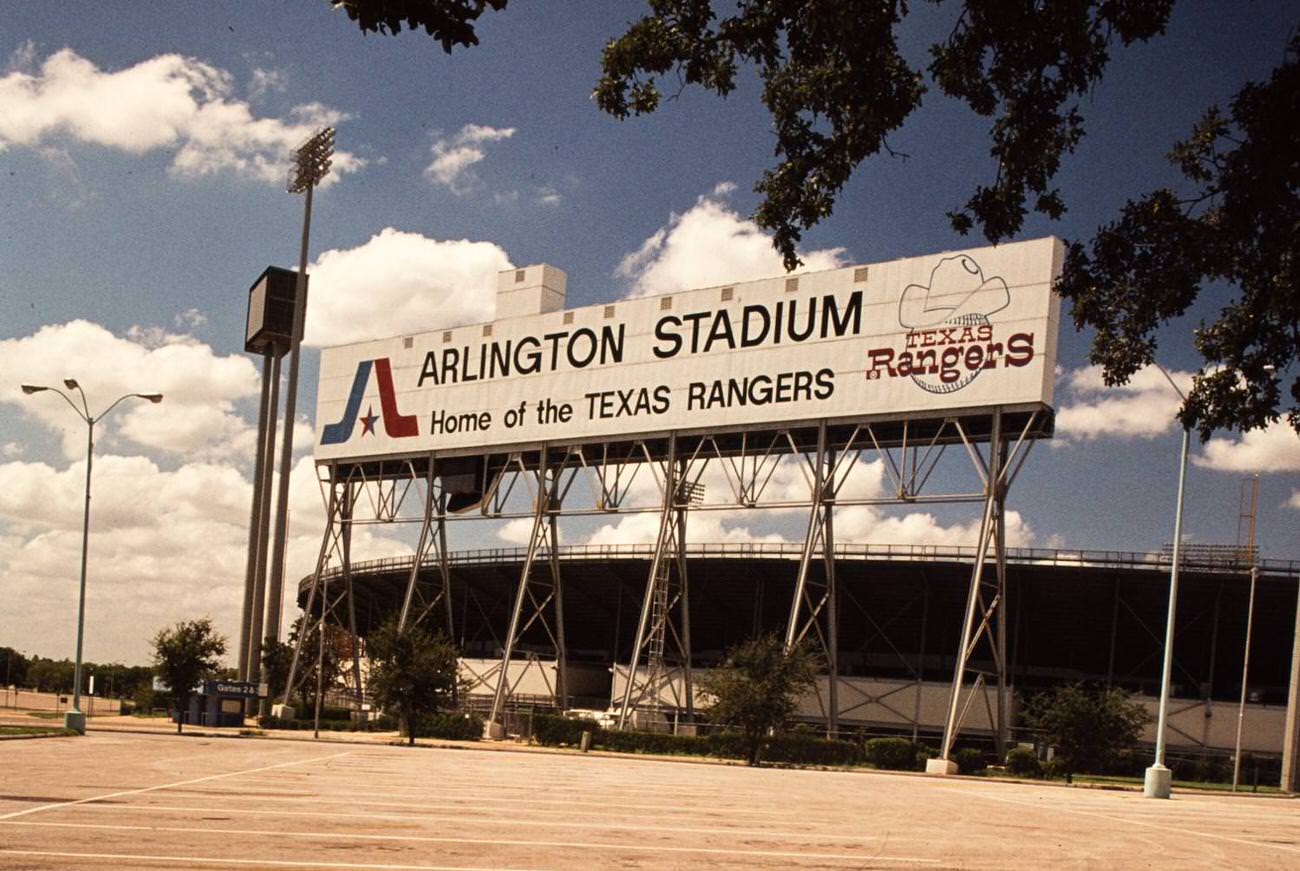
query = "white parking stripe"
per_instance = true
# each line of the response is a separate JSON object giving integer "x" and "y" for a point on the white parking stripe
{"x": 420, "y": 816}
{"x": 505, "y": 842}
{"x": 455, "y": 798}
{"x": 46, "y": 807}
{"x": 261, "y": 863}
{"x": 1162, "y": 825}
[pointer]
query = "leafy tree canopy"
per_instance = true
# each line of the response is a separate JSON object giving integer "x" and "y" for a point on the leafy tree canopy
{"x": 412, "y": 673}
{"x": 756, "y": 689}
{"x": 451, "y": 22}
{"x": 1088, "y": 726}
{"x": 837, "y": 85}
{"x": 184, "y": 655}
{"x": 1239, "y": 224}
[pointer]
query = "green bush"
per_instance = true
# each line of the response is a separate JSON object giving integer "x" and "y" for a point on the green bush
{"x": 969, "y": 761}
{"x": 301, "y": 725}
{"x": 893, "y": 754}
{"x": 811, "y": 750}
{"x": 327, "y": 712}
{"x": 452, "y": 727}
{"x": 1023, "y": 762}
{"x": 552, "y": 730}
{"x": 799, "y": 749}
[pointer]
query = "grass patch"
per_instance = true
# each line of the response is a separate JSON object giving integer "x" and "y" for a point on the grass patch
{"x": 6, "y": 729}
{"x": 1137, "y": 782}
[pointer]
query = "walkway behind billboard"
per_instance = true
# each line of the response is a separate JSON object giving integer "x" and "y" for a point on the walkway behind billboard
{"x": 926, "y": 336}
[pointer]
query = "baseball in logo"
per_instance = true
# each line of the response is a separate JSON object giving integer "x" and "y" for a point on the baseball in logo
{"x": 951, "y": 336}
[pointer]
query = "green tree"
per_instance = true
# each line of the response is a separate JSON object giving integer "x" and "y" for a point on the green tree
{"x": 1239, "y": 223}
{"x": 336, "y": 655}
{"x": 837, "y": 85}
{"x": 15, "y": 667}
{"x": 1087, "y": 725}
{"x": 412, "y": 673}
{"x": 451, "y": 22}
{"x": 756, "y": 688}
{"x": 185, "y": 655}
{"x": 277, "y": 656}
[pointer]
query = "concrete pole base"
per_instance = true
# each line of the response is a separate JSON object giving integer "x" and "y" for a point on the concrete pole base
{"x": 942, "y": 767}
{"x": 494, "y": 731}
{"x": 74, "y": 719}
{"x": 1158, "y": 782}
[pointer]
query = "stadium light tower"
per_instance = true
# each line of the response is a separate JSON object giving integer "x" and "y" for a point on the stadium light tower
{"x": 311, "y": 165}
{"x": 74, "y": 718}
{"x": 1157, "y": 782}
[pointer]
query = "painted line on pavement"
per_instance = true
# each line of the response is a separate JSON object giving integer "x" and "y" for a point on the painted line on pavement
{"x": 1161, "y": 825}
{"x": 460, "y": 799}
{"x": 461, "y": 821}
{"x": 263, "y": 863}
{"x": 507, "y": 842}
{"x": 80, "y": 801}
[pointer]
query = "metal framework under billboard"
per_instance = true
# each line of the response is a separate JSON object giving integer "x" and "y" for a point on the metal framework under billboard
{"x": 995, "y": 329}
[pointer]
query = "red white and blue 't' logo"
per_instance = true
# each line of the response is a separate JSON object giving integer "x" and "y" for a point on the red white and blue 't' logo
{"x": 396, "y": 425}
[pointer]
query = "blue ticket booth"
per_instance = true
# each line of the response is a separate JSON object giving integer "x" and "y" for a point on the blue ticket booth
{"x": 221, "y": 703}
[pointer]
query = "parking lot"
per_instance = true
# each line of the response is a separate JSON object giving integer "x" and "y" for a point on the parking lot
{"x": 120, "y": 800}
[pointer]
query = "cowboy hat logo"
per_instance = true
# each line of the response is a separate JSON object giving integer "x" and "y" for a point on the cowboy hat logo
{"x": 958, "y": 294}
{"x": 950, "y": 338}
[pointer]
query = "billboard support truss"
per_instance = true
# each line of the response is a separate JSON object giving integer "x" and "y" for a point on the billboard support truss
{"x": 663, "y": 633}
{"x": 996, "y": 443}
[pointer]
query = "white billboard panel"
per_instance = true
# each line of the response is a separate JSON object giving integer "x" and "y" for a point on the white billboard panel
{"x": 931, "y": 334}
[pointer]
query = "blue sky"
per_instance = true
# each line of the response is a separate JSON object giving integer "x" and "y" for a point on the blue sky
{"x": 140, "y": 149}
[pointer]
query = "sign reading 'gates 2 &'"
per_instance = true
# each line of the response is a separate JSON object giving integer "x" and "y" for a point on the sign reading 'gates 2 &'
{"x": 944, "y": 332}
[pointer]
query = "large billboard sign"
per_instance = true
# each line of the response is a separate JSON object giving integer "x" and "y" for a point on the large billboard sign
{"x": 924, "y": 335}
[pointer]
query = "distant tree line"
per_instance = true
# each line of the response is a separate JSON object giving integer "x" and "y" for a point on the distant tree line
{"x": 55, "y": 675}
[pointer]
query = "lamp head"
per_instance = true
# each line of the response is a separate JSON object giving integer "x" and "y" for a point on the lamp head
{"x": 33, "y": 388}
{"x": 71, "y": 383}
{"x": 155, "y": 398}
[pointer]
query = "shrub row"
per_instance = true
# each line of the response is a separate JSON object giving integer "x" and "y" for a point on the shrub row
{"x": 448, "y": 726}
{"x": 900, "y": 754}
{"x": 554, "y": 730}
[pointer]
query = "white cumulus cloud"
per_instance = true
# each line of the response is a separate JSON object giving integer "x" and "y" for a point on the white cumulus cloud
{"x": 401, "y": 283}
{"x": 165, "y": 545}
{"x": 710, "y": 244}
{"x": 1143, "y": 408}
{"x": 1276, "y": 448}
{"x": 453, "y": 156}
{"x": 169, "y": 102}
{"x": 197, "y": 417}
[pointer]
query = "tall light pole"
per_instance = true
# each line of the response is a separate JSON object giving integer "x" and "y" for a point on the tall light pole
{"x": 311, "y": 166}
{"x": 1157, "y": 783}
{"x": 74, "y": 718}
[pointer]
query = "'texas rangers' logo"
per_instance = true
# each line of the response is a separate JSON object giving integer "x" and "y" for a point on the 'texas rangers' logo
{"x": 396, "y": 425}
{"x": 950, "y": 337}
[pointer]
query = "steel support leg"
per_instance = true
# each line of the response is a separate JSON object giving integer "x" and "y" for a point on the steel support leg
{"x": 971, "y": 633}
{"x": 253, "y": 667}
{"x": 543, "y": 530}
{"x": 255, "y": 531}
{"x": 328, "y": 544}
{"x": 354, "y": 640}
{"x": 820, "y": 535}
{"x": 662, "y": 598}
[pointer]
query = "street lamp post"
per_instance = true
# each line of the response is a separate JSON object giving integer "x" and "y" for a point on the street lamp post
{"x": 1158, "y": 779}
{"x": 74, "y": 718}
